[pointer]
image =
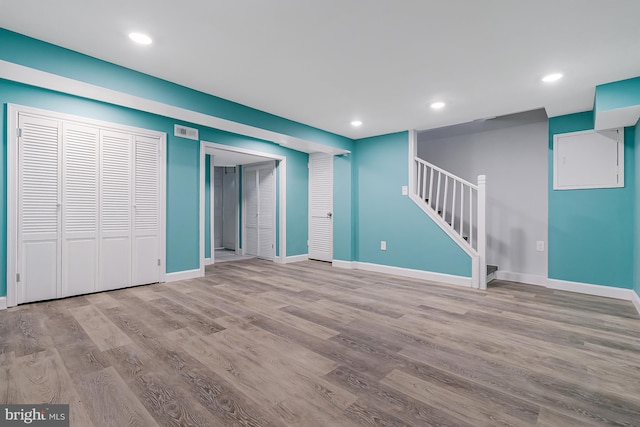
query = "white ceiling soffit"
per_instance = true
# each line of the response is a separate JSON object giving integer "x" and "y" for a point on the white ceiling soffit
{"x": 33, "y": 77}
{"x": 326, "y": 63}
{"x": 617, "y": 118}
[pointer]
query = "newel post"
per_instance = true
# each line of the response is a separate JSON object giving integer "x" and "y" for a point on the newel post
{"x": 482, "y": 229}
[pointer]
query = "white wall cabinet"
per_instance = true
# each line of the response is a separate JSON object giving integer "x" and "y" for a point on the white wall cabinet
{"x": 90, "y": 206}
{"x": 588, "y": 159}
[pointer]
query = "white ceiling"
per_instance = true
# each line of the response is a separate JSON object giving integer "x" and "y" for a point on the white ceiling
{"x": 325, "y": 63}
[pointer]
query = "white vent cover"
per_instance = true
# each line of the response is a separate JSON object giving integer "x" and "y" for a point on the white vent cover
{"x": 185, "y": 132}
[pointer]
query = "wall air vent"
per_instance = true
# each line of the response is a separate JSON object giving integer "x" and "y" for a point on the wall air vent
{"x": 185, "y": 132}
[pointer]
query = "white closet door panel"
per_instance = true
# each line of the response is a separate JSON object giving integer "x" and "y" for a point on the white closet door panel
{"x": 266, "y": 217}
{"x": 79, "y": 209}
{"x": 116, "y": 199}
{"x": 38, "y": 208}
{"x": 146, "y": 223}
{"x": 251, "y": 211}
{"x": 41, "y": 270}
{"x": 115, "y": 263}
{"x": 321, "y": 206}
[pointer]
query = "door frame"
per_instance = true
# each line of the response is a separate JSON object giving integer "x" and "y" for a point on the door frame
{"x": 13, "y": 110}
{"x": 207, "y": 147}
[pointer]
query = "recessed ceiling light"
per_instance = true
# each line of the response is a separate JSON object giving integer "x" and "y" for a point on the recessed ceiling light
{"x": 552, "y": 77}
{"x": 437, "y": 105}
{"x": 140, "y": 38}
{"x": 356, "y": 123}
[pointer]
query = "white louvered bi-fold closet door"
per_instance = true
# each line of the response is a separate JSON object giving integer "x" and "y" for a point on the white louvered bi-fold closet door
{"x": 116, "y": 200}
{"x": 39, "y": 180}
{"x": 146, "y": 212}
{"x": 266, "y": 212}
{"x": 250, "y": 184}
{"x": 80, "y": 154}
{"x": 321, "y": 206}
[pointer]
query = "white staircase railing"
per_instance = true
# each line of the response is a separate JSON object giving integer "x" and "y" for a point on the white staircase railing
{"x": 459, "y": 207}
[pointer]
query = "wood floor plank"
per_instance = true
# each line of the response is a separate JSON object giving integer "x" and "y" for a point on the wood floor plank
{"x": 111, "y": 402}
{"x": 42, "y": 378}
{"x": 101, "y": 330}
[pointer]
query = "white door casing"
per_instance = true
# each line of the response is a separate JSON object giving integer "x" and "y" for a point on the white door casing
{"x": 321, "y": 206}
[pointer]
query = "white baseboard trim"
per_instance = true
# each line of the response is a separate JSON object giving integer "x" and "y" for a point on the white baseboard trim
{"x": 294, "y": 258}
{"x": 635, "y": 299}
{"x": 349, "y": 265}
{"x": 529, "y": 279}
{"x": 3, "y": 303}
{"x": 183, "y": 275}
{"x": 406, "y": 272}
{"x": 586, "y": 288}
{"x": 208, "y": 261}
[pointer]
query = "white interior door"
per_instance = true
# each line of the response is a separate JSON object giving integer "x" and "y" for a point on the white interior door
{"x": 250, "y": 186}
{"x": 229, "y": 209}
{"x": 266, "y": 212}
{"x": 146, "y": 211}
{"x": 79, "y": 209}
{"x": 321, "y": 206}
{"x": 115, "y": 209}
{"x": 259, "y": 210}
{"x": 39, "y": 196}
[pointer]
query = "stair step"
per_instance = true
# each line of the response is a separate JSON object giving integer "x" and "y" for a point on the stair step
{"x": 491, "y": 269}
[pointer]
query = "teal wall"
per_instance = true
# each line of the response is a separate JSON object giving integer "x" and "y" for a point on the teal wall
{"x": 636, "y": 252}
{"x": 343, "y": 218}
{"x": 207, "y": 206}
{"x": 383, "y": 213}
{"x": 589, "y": 230}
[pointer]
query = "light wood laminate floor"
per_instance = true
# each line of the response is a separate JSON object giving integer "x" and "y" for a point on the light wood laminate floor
{"x": 260, "y": 344}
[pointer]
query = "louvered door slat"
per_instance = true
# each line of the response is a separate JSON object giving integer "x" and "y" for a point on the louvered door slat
{"x": 266, "y": 218}
{"x": 39, "y": 216}
{"x": 115, "y": 208}
{"x": 146, "y": 211}
{"x": 321, "y": 206}
{"x": 80, "y": 209}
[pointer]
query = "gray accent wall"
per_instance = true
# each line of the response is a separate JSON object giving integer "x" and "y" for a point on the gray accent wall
{"x": 512, "y": 151}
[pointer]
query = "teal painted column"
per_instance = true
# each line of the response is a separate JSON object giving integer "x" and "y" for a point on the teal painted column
{"x": 590, "y": 230}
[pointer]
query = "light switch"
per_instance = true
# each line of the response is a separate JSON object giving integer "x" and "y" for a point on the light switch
{"x": 540, "y": 246}
{"x": 405, "y": 190}
{"x": 383, "y": 245}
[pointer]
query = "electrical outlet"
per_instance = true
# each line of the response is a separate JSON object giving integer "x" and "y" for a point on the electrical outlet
{"x": 405, "y": 190}
{"x": 383, "y": 245}
{"x": 540, "y": 246}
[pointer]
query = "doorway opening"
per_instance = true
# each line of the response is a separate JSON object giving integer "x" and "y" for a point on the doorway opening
{"x": 227, "y": 234}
